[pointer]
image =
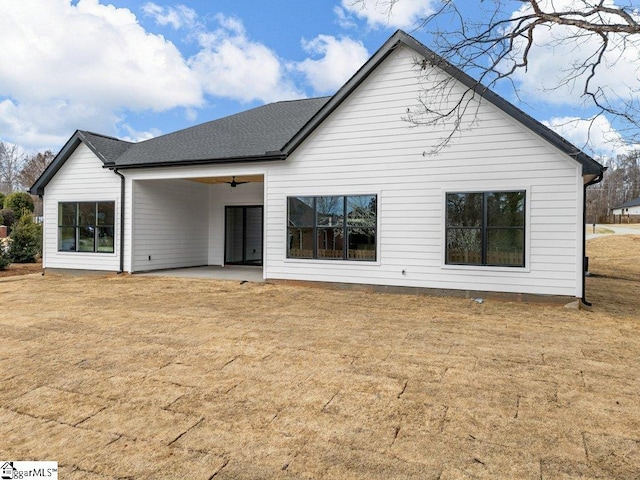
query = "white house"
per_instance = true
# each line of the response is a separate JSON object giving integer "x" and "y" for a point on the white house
{"x": 336, "y": 189}
{"x": 628, "y": 211}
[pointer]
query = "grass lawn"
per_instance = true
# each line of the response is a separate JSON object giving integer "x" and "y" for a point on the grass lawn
{"x": 15, "y": 269}
{"x": 146, "y": 377}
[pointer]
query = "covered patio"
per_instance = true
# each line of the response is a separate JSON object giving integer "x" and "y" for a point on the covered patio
{"x": 191, "y": 221}
{"x": 241, "y": 273}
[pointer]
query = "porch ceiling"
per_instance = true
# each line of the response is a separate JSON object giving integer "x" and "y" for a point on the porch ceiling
{"x": 239, "y": 178}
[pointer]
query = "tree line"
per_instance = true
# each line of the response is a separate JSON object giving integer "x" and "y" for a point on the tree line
{"x": 19, "y": 171}
{"x": 23, "y": 243}
{"x": 621, "y": 184}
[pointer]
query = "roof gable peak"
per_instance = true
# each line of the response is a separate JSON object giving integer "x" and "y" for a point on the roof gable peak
{"x": 589, "y": 165}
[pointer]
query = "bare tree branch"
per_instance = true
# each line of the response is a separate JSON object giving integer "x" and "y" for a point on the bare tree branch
{"x": 11, "y": 161}
{"x": 494, "y": 44}
{"x": 33, "y": 167}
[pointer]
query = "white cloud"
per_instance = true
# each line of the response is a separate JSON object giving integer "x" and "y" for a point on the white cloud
{"x": 559, "y": 50}
{"x": 177, "y": 17}
{"x": 138, "y": 136}
{"x": 343, "y": 18}
{"x": 403, "y": 14}
{"x": 62, "y": 63}
{"x": 67, "y": 65}
{"x": 596, "y": 135}
{"x": 47, "y": 124}
{"x": 341, "y": 58}
{"x": 233, "y": 66}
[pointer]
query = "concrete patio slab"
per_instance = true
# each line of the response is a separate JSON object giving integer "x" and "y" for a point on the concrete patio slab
{"x": 240, "y": 273}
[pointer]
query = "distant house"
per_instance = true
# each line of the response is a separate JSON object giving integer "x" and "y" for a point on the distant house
{"x": 628, "y": 212}
{"x": 335, "y": 189}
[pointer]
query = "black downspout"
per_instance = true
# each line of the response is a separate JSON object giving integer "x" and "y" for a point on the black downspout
{"x": 598, "y": 179}
{"x": 115, "y": 170}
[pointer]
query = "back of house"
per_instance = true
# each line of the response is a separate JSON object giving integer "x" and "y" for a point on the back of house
{"x": 342, "y": 189}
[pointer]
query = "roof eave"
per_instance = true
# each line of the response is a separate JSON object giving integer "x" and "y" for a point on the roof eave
{"x": 631, "y": 203}
{"x": 63, "y": 155}
{"x": 38, "y": 186}
{"x": 266, "y": 157}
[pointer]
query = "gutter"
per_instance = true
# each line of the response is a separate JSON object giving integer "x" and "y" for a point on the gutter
{"x": 268, "y": 156}
{"x": 122, "y": 185}
{"x": 598, "y": 179}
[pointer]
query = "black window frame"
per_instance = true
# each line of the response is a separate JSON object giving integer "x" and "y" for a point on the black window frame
{"x": 485, "y": 227}
{"x": 95, "y": 227}
{"x": 343, "y": 224}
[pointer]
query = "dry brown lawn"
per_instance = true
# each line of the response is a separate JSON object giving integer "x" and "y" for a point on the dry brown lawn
{"x": 21, "y": 269}
{"x": 144, "y": 377}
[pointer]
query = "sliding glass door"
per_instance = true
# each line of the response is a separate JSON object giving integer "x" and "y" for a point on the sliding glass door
{"x": 243, "y": 235}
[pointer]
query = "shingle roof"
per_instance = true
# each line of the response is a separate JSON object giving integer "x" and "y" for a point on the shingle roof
{"x": 272, "y": 132}
{"x": 631, "y": 203}
{"x": 257, "y": 134}
{"x": 253, "y": 134}
{"x": 108, "y": 149}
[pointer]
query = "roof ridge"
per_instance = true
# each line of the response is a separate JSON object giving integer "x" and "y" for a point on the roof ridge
{"x": 295, "y": 100}
{"x": 109, "y": 137}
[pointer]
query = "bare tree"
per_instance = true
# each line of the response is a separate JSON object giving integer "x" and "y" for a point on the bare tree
{"x": 11, "y": 162}
{"x": 33, "y": 168}
{"x": 621, "y": 183}
{"x": 494, "y": 43}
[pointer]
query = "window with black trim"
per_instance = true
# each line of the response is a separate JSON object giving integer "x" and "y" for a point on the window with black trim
{"x": 486, "y": 228}
{"x": 332, "y": 227}
{"x": 86, "y": 227}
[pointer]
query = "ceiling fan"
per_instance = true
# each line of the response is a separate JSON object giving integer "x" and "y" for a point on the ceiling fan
{"x": 233, "y": 182}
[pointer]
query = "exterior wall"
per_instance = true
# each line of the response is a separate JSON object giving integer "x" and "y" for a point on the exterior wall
{"x": 365, "y": 147}
{"x": 626, "y": 215}
{"x": 81, "y": 178}
{"x": 219, "y": 197}
{"x": 627, "y": 211}
{"x": 170, "y": 224}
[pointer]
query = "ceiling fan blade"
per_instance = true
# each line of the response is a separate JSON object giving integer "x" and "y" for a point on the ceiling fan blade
{"x": 233, "y": 182}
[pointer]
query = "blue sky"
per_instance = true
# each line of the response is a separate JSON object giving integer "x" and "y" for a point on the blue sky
{"x": 136, "y": 69}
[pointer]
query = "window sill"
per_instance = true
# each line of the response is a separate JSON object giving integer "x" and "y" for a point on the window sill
{"x": 485, "y": 268}
{"x": 317, "y": 261}
{"x": 102, "y": 254}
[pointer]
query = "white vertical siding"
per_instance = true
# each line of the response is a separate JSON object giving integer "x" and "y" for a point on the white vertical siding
{"x": 366, "y": 147}
{"x": 170, "y": 224}
{"x": 82, "y": 178}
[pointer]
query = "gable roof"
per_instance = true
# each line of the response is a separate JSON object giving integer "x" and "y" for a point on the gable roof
{"x": 274, "y": 131}
{"x": 399, "y": 38}
{"x": 106, "y": 148}
{"x": 631, "y": 203}
{"x": 256, "y": 134}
